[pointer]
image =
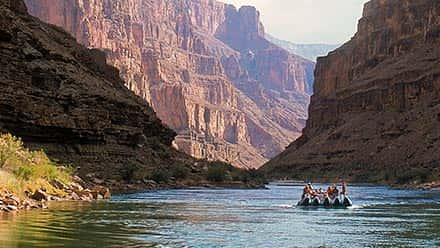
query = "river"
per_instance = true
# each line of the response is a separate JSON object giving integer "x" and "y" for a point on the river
{"x": 380, "y": 217}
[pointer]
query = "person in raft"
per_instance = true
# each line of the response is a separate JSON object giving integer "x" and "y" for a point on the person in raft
{"x": 308, "y": 190}
{"x": 344, "y": 188}
{"x": 305, "y": 191}
{"x": 331, "y": 192}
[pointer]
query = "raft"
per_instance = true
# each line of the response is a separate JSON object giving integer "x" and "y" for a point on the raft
{"x": 340, "y": 201}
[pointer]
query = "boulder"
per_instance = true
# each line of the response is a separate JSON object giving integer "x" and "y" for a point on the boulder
{"x": 12, "y": 208}
{"x": 11, "y": 200}
{"x": 73, "y": 197}
{"x": 58, "y": 184}
{"x": 76, "y": 187}
{"x": 86, "y": 195}
{"x": 97, "y": 181}
{"x": 40, "y": 195}
{"x": 100, "y": 191}
{"x": 28, "y": 204}
{"x": 150, "y": 184}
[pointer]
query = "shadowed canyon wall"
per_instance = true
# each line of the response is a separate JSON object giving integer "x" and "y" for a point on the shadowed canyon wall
{"x": 204, "y": 66}
{"x": 59, "y": 96}
{"x": 375, "y": 112}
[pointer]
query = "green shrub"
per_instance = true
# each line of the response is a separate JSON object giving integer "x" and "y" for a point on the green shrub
{"x": 416, "y": 174}
{"x": 387, "y": 177}
{"x": 160, "y": 175}
{"x": 179, "y": 171}
{"x": 9, "y": 146}
{"x": 217, "y": 172}
{"x": 220, "y": 172}
{"x": 246, "y": 176}
{"x": 256, "y": 175}
{"x": 129, "y": 171}
{"x": 27, "y": 169}
{"x": 240, "y": 175}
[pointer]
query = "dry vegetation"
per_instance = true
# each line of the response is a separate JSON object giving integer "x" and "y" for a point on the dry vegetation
{"x": 22, "y": 170}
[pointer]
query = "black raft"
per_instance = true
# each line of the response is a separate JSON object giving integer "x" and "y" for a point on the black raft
{"x": 341, "y": 201}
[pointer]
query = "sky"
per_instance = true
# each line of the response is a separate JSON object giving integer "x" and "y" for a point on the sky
{"x": 308, "y": 21}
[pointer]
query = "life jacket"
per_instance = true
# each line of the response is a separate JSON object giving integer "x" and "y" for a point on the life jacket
{"x": 305, "y": 190}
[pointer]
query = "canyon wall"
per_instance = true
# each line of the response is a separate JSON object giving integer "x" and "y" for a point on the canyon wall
{"x": 61, "y": 97}
{"x": 205, "y": 68}
{"x": 375, "y": 112}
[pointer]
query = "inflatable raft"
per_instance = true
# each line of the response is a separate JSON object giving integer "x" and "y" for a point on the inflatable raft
{"x": 340, "y": 201}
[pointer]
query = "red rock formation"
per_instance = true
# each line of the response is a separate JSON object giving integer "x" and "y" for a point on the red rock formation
{"x": 205, "y": 68}
{"x": 63, "y": 98}
{"x": 374, "y": 115}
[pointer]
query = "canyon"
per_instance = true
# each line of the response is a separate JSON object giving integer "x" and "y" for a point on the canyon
{"x": 308, "y": 51}
{"x": 375, "y": 112}
{"x": 205, "y": 67}
{"x": 64, "y": 99}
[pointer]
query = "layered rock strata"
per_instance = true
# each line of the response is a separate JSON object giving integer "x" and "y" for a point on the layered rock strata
{"x": 63, "y": 98}
{"x": 375, "y": 112}
{"x": 204, "y": 66}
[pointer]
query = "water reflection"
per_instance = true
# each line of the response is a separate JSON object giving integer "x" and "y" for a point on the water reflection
{"x": 381, "y": 217}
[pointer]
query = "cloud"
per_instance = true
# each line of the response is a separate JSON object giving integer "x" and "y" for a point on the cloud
{"x": 308, "y": 21}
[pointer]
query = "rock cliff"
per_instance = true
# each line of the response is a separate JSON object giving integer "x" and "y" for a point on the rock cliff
{"x": 375, "y": 112}
{"x": 61, "y": 97}
{"x": 204, "y": 66}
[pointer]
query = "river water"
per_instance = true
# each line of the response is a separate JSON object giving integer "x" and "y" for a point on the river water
{"x": 380, "y": 217}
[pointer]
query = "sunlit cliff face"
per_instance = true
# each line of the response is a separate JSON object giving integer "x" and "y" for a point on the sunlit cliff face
{"x": 205, "y": 68}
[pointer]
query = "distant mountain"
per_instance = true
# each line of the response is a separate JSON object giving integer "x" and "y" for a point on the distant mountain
{"x": 308, "y": 51}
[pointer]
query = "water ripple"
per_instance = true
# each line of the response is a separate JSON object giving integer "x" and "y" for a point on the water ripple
{"x": 381, "y": 217}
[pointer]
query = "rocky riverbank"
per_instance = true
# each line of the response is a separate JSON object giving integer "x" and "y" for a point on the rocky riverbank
{"x": 422, "y": 186}
{"x": 75, "y": 191}
{"x": 150, "y": 185}
{"x": 79, "y": 190}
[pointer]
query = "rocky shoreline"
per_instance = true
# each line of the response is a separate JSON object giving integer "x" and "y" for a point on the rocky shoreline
{"x": 149, "y": 185}
{"x": 422, "y": 186}
{"x": 79, "y": 190}
{"x": 435, "y": 185}
{"x": 75, "y": 191}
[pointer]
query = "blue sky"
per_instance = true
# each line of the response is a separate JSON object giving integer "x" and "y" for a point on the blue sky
{"x": 308, "y": 21}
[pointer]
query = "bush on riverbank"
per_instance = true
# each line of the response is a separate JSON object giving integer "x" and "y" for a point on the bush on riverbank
{"x": 220, "y": 172}
{"x": 129, "y": 171}
{"x": 217, "y": 172}
{"x": 23, "y": 170}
